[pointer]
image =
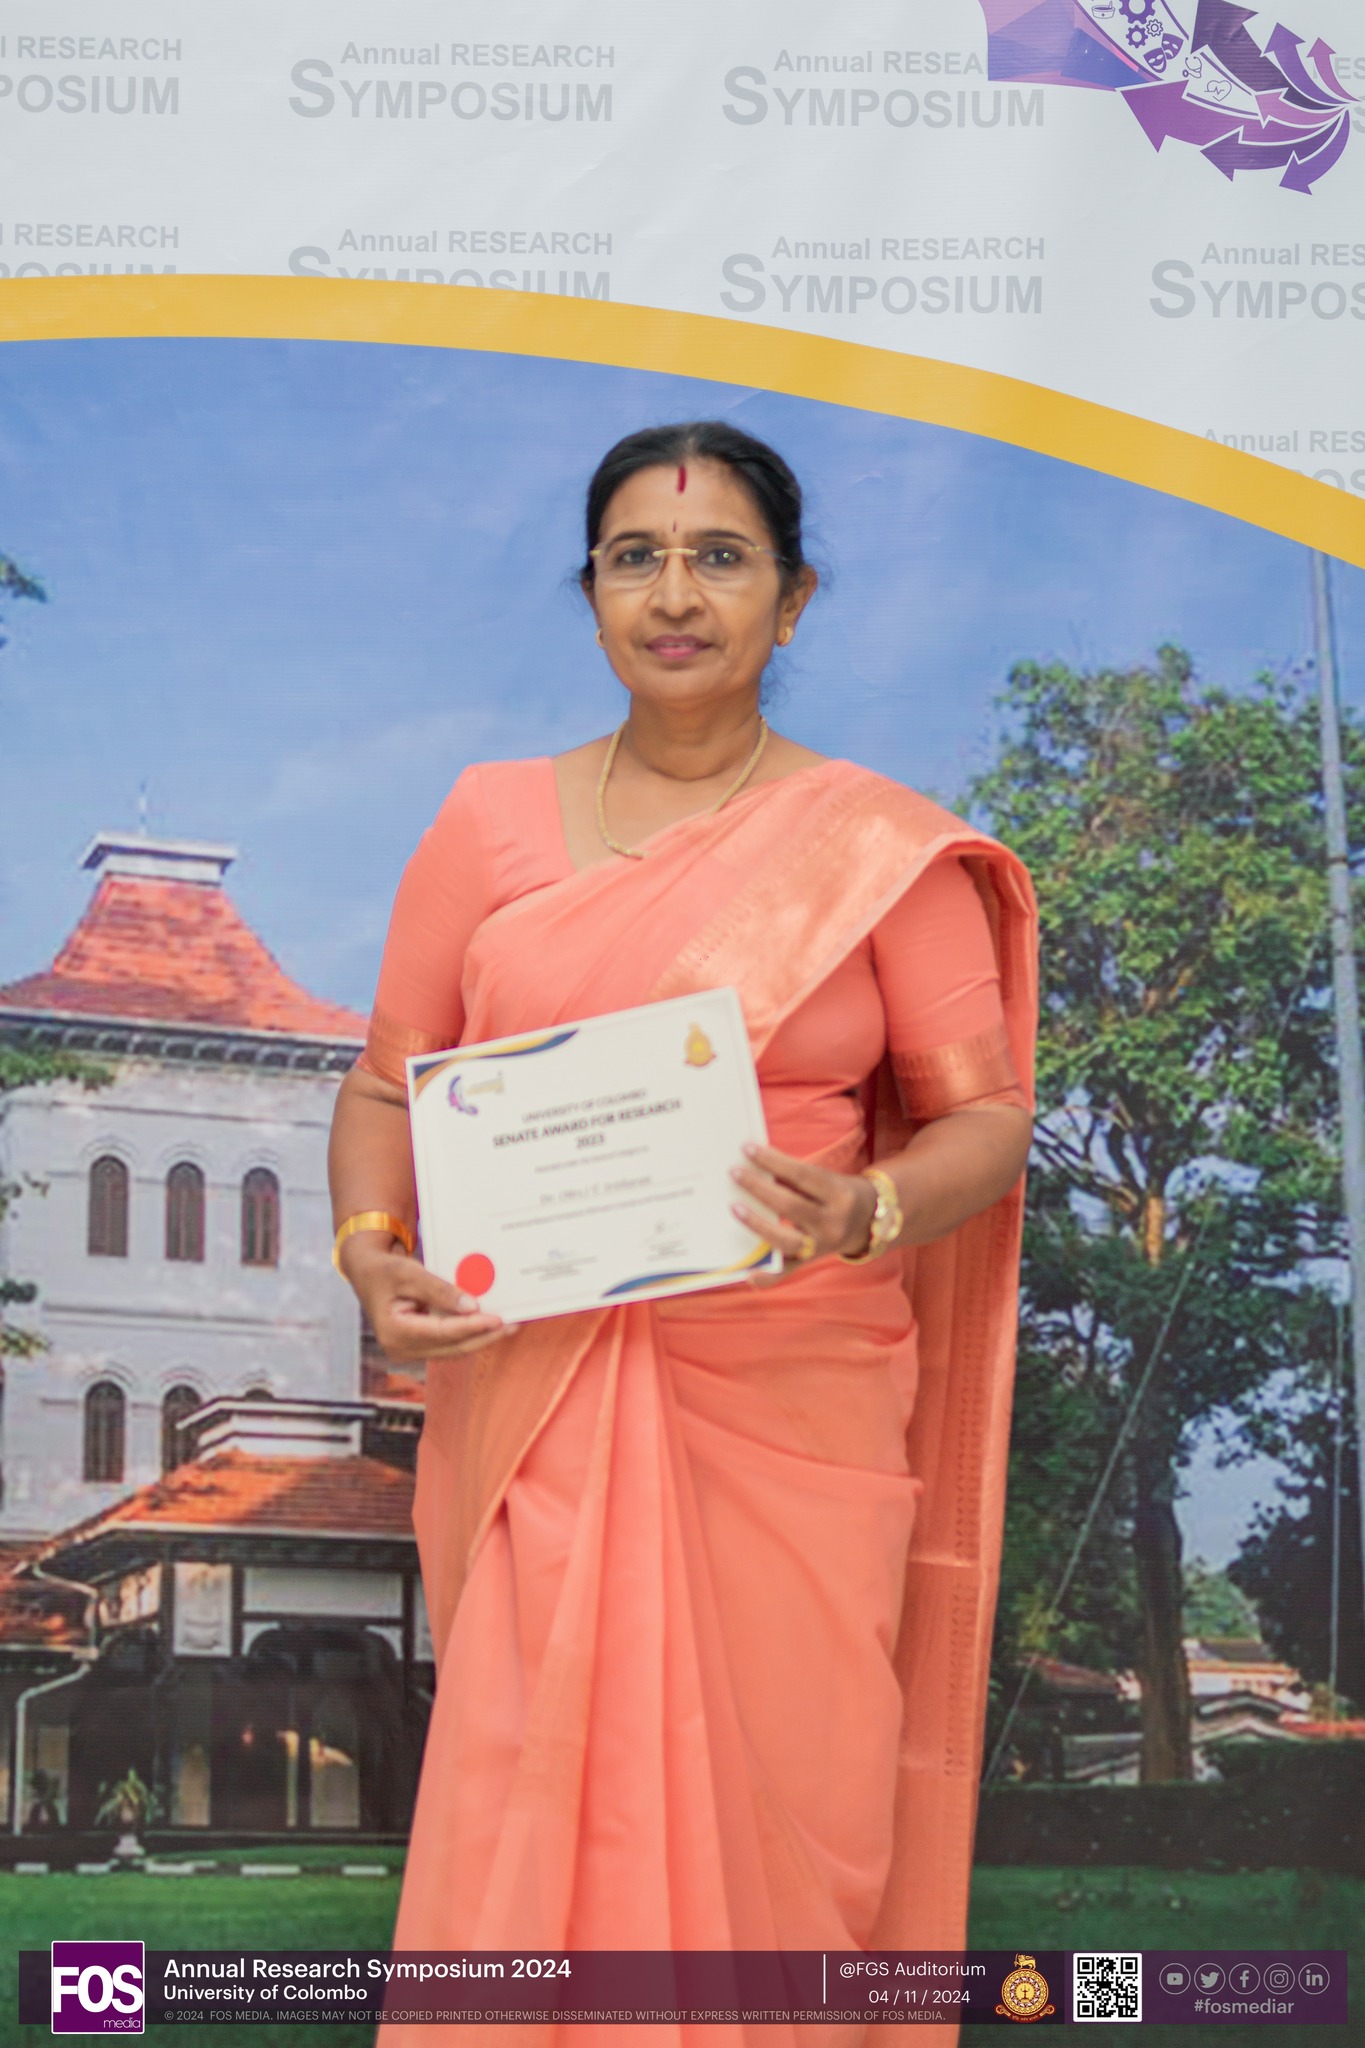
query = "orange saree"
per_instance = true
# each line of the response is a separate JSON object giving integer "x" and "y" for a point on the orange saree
{"x": 711, "y": 1579}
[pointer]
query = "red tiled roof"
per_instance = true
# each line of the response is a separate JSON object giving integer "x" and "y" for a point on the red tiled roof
{"x": 1324, "y": 1731}
{"x": 1063, "y": 1677}
{"x": 386, "y": 1383}
{"x": 1243, "y": 1650}
{"x": 175, "y": 952}
{"x": 234, "y": 1491}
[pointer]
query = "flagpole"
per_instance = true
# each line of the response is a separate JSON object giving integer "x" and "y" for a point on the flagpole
{"x": 1345, "y": 984}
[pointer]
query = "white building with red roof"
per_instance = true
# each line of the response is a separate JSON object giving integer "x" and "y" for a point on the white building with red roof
{"x": 175, "y": 1222}
{"x": 207, "y": 1567}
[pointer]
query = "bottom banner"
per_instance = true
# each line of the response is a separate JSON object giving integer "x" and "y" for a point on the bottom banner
{"x": 109, "y": 1987}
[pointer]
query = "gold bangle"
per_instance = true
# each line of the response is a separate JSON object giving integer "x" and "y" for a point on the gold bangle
{"x": 888, "y": 1219}
{"x": 372, "y": 1219}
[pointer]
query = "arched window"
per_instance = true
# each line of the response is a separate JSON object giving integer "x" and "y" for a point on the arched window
{"x": 179, "y": 1402}
{"x": 184, "y": 1212}
{"x": 260, "y": 1218}
{"x": 104, "y": 1430}
{"x": 106, "y": 1235}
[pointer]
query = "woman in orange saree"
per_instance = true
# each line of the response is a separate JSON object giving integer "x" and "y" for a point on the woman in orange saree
{"x": 711, "y": 1578}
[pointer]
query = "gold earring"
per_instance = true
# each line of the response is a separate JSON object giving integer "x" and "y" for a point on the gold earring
{"x": 600, "y": 641}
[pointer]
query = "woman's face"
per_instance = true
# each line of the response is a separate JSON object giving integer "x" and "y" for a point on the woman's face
{"x": 681, "y": 640}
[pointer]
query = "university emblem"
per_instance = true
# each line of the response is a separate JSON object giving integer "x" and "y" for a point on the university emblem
{"x": 698, "y": 1050}
{"x": 1024, "y": 1992}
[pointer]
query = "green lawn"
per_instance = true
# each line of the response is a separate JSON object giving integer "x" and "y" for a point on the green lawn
{"x": 1148, "y": 1909}
{"x": 1012, "y": 1909}
{"x": 203, "y": 1911}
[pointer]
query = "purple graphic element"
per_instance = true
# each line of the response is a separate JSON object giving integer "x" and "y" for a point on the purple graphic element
{"x": 1233, "y": 155}
{"x": 1165, "y": 111}
{"x": 1054, "y": 42}
{"x": 1276, "y": 106}
{"x": 1297, "y": 124}
{"x": 97, "y": 1987}
{"x": 1304, "y": 173}
{"x": 1220, "y": 28}
{"x": 1283, "y": 45}
{"x": 1306, "y": 157}
{"x": 1281, "y": 131}
{"x": 1322, "y": 54}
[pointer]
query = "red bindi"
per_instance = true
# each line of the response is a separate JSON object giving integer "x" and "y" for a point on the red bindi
{"x": 682, "y": 477}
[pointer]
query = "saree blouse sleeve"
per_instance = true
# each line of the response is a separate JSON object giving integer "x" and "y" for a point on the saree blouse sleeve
{"x": 935, "y": 964}
{"x": 444, "y": 896}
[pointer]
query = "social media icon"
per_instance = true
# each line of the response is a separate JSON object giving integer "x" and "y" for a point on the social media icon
{"x": 1244, "y": 1977}
{"x": 1208, "y": 1977}
{"x": 1277, "y": 1977}
{"x": 1175, "y": 1977}
{"x": 1313, "y": 1977}
{"x": 97, "y": 1987}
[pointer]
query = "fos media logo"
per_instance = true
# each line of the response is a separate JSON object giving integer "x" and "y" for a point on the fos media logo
{"x": 1245, "y": 105}
{"x": 97, "y": 1987}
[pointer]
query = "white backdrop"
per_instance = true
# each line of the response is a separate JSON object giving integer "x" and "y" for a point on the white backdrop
{"x": 854, "y": 172}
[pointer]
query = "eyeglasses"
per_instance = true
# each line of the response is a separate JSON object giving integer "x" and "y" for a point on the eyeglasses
{"x": 630, "y": 563}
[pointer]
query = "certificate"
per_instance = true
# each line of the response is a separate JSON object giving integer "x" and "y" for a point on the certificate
{"x": 590, "y": 1164}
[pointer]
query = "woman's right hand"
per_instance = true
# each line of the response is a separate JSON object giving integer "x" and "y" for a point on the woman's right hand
{"x": 415, "y": 1315}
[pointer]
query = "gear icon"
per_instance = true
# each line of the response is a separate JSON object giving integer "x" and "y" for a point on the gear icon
{"x": 1137, "y": 10}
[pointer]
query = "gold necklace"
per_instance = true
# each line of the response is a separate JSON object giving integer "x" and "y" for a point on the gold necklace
{"x": 635, "y": 852}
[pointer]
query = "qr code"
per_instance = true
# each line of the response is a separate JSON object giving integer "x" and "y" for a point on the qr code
{"x": 1106, "y": 1987}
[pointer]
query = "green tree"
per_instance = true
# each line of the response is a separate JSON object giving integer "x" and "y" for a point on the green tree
{"x": 1066, "y": 1414}
{"x": 1184, "y": 1173}
{"x": 1285, "y": 1563}
{"x": 1215, "y": 1604}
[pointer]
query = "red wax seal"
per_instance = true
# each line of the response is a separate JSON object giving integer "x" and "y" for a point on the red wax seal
{"x": 475, "y": 1273}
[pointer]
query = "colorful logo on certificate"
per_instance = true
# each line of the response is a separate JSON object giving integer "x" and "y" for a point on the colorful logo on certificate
{"x": 698, "y": 1050}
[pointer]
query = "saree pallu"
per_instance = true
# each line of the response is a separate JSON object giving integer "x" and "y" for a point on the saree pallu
{"x": 711, "y": 1579}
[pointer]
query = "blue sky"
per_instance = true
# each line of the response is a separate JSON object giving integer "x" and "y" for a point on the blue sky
{"x": 295, "y": 587}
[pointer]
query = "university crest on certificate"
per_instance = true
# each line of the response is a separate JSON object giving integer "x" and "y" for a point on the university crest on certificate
{"x": 589, "y": 1163}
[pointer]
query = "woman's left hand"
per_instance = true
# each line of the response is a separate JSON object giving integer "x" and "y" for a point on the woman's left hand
{"x": 804, "y": 1211}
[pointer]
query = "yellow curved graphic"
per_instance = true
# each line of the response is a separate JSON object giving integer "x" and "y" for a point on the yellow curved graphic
{"x": 1097, "y": 437}
{"x": 758, "y": 1256}
{"x": 500, "y": 1049}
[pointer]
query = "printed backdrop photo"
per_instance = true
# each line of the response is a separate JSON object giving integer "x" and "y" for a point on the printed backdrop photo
{"x": 314, "y": 322}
